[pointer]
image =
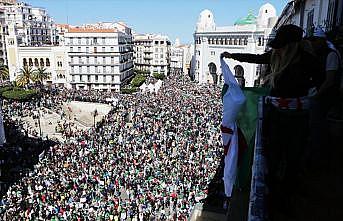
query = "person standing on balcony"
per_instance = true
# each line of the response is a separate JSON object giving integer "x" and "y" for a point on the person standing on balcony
{"x": 285, "y": 122}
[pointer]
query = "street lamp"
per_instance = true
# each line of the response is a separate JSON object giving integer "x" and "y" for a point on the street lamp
{"x": 95, "y": 113}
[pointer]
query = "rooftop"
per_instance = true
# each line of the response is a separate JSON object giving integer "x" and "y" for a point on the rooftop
{"x": 91, "y": 30}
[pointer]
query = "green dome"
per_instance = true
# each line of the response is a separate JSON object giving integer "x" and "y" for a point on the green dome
{"x": 250, "y": 19}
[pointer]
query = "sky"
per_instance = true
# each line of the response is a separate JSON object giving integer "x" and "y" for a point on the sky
{"x": 174, "y": 18}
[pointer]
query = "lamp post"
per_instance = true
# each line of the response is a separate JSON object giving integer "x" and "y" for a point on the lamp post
{"x": 95, "y": 113}
{"x": 40, "y": 129}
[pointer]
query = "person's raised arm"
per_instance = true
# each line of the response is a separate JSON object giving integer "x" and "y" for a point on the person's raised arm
{"x": 250, "y": 58}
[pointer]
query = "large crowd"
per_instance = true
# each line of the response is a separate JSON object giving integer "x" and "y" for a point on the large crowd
{"x": 151, "y": 158}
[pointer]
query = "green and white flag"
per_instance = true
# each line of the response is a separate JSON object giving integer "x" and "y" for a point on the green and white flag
{"x": 233, "y": 99}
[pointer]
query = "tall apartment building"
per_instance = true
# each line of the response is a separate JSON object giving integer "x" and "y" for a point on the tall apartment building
{"x": 33, "y": 26}
{"x": 3, "y": 32}
{"x": 99, "y": 58}
{"x": 152, "y": 53}
{"x": 7, "y": 2}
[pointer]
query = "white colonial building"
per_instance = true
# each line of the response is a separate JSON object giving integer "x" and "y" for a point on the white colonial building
{"x": 152, "y": 53}
{"x": 177, "y": 57}
{"x": 248, "y": 35}
{"x": 99, "y": 58}
{"x": 33, "y": 26}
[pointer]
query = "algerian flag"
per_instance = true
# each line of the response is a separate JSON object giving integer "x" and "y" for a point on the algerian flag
{"x": 233, "y": 99}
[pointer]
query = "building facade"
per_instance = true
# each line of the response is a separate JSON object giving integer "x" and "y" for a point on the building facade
{"x": 3, "y": 33}
{"x": 248, "y": 35}
{"x": 177, "y": 57}
{"x": 308, "y": 14}
{"x": 33, "y": 26}
{"x": 152, "y": 53}
{"x": 99, "y": 58}
{"x": 52, "y": 58}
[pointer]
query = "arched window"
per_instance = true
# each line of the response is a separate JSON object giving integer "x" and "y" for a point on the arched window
{"x": 24, "y": 62}
{"x": 240, "y": 41}
{"x": 235, "y": 41}
{"x": 217, "y": 41}
{"x": 30, "y": 62}
{"x": 245, "y": 41}
{"x": 41, "y": 62}
{"x": 221, "y": 41}
{"x": 36, "y": 62}
{"x": 230, "y": 41}
{"x": 226, "y": 41}
{"x": 47, "y": 62}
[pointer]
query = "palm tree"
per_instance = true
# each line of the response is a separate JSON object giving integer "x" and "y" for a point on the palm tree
{"x": 27, "y": 75}
{"x": 40, "y": 75}
{"x": 4, "y": 73}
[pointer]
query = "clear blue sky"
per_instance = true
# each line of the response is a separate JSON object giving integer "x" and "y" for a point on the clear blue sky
{"x": 175, "y": 18}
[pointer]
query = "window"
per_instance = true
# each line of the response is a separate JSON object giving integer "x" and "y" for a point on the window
{"x": 259, "y": 41}
{"x": 71, "y": 49}
{"x": 80, "y": 60}
{"x": 88, "y": 69}
{"x": 36, "y": 62}
{"x": 103, "y": 69}
{"x": 73, "y": 78}
{"x": 103, "y": 49}
{"x": 112, "y": 78}
{"x": 95, "y": 40}
{"x": 88, "y": 78}
{"x": 79, "y": 49}
{"x": 161, "y": 56}
{"x": 95, "y": 51}
{"x": 24, "y": 62}
{"x": 104, "y": 78}
{"x": 87, "y": 41}
{"x": 198, "y": 53}
{"x": 156, "y": 50}
{"x": 330, "y": 15}
{"x": 112, "y": 69}
{"x": 87, "y": 49}
{"x": 112, "y": 60}
{"x": 41, "y": 62}
{"x": 112, "y": 48}
{"x": 96, "y": 69}
{"x": 80, "y": 69}
{"x": 213, "y": 53}
{"x": 79, "y": 41}
{"x": 310, "y": 25}
{"x": 47, "y": 62}
{"x": 95, "y": 60}
{"x": 156, "y": 56}
{"x": 72, "y": 69}
{"x": 96, "y": 78}
{"x": 245, "y": 41}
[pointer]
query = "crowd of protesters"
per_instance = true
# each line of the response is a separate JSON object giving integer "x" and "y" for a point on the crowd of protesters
{"x": 151, "y": 158}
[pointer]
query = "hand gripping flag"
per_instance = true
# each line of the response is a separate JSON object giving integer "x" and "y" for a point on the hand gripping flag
{"x": 233, "y": 99}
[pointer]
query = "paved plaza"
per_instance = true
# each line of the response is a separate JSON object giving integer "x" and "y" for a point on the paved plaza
{"x": 79, "y": 114}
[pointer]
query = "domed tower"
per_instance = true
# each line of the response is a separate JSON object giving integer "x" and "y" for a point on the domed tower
{"x": 206, "y": 22}
{"x": 266, "y": 16}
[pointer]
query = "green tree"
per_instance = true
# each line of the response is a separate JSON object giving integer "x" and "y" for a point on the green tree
{"x": 4, "y": 73}
{"x": 27, "y": 75}
{"x": 40, "y": 74}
